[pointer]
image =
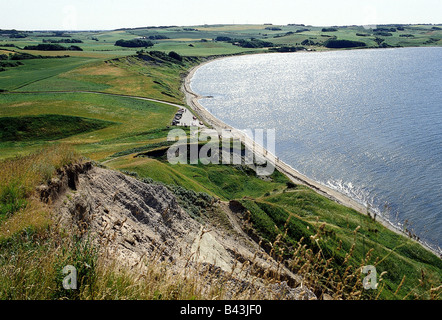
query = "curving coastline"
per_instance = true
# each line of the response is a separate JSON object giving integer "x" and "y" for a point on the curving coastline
{"x": 192, "y": 100}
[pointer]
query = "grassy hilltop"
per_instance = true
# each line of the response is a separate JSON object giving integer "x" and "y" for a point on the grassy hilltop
{"x": 59, "y": 106}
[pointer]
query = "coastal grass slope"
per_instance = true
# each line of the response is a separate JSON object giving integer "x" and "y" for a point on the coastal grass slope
{"x": 321, "y": 240}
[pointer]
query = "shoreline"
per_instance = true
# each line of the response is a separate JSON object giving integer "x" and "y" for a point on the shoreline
{"x": 191, "y": 100}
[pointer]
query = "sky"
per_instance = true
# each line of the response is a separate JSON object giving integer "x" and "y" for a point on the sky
{"x": 113, "y": 14}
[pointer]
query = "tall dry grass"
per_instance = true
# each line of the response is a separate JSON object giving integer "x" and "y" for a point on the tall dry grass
{"x": 19, "y": 205}
{"x": 330, "y": 279}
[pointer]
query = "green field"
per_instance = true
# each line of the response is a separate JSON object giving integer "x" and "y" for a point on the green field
{"x": 37, "y": 70}
{"x": 132, "y": 117}
{"x": 42, "y": 108}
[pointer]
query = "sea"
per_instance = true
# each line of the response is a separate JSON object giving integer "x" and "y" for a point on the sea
{"x": 367, "y": 122}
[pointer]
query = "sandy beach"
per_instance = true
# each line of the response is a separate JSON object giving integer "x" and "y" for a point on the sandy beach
{"x": 298, "y": 178}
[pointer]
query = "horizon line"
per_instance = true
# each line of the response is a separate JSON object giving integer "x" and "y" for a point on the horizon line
{"x": 219, "y": 24}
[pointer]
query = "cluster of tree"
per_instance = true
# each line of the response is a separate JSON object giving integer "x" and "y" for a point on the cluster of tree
{"x": 148, "y": 27}
{"x": 4, "y": 63}
{"x": 223, "y": 38}
{"x": 386, "y": 45}
{"x": 23, "y": 56}
{"x": 384, "y": 30}
{"x": 252, "y": 43}
{"x": 175, "y": 56}
{"x": 383, "y": 33}
{"x": 363, "y": 34}
{"x": 52, "y": 47}
{"x": 190, "y": 29}
{"x": 172, "y": 56}
{"x": 309, "y": 42}
{"x": 18, "y": 35}
{"x": 406, "y": 35}
{"x": 329, "y": 29}
{"x": 336, "y": 44}
{"x": 134, "y": 43}
{"x": 60, "y": 34}
{"x": 62, "y": 41}
{"x": 431, "y": 40}
{"x": 158, "y": 37}
{"x": 273, "y": 28}
{"x": 14, "y": 33}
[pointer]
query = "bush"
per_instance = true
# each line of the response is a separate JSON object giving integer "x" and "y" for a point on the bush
{"x": 23, "y": 56}
{"x": 62, "y": 41}
{"x": 329, "y": 29}
{"x": 10, "y": 64}
{"x": 308, "y": 42}
{"x": 194, "y": 203}
{"x": 291, "y": 185}
{"x": 175, "y": 56}
{"x": 75, "y": 48}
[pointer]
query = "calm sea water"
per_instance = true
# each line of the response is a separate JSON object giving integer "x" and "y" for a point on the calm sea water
{"x": 365, "y": 122}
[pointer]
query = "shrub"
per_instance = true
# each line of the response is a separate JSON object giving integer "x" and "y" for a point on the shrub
{"x": 175, "y": 56}
{"x": 308, "y": 42}
{"x": 194, "y": 203}
{"x": 75, "y": 48}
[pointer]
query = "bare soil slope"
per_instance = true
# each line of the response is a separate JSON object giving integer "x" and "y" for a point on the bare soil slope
{"x": 130, "y": 220}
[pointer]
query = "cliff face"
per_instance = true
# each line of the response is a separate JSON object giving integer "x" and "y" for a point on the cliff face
{"x": 129, "y": 220}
